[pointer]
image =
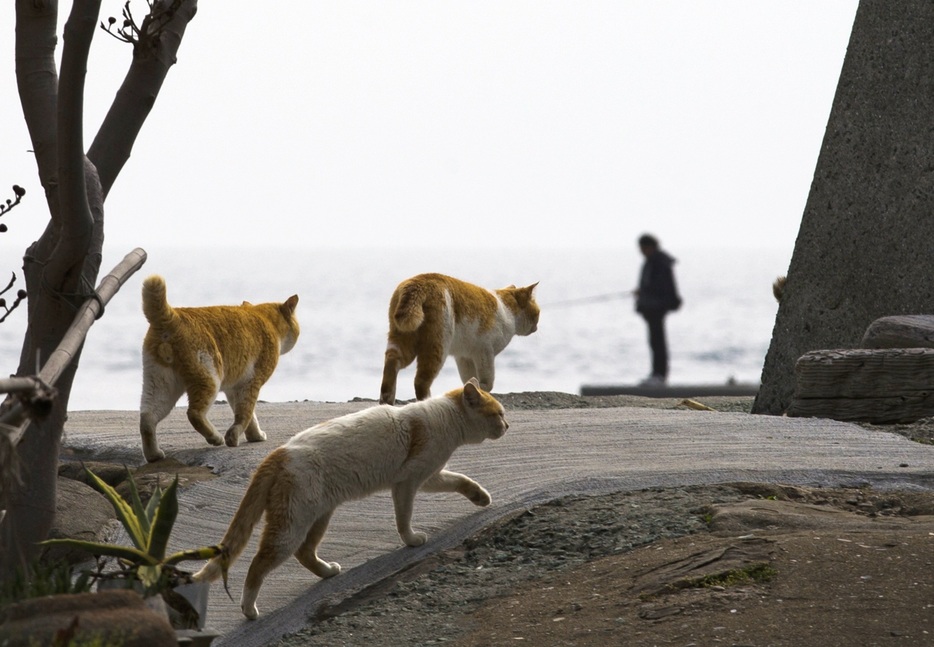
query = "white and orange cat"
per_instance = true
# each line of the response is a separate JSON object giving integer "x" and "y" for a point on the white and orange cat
{"x": 402, "y": 449}
{"x": 205, "y": 350}
{"x": 432, "y": 316}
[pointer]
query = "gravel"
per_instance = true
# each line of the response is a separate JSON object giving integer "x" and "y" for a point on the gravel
{"x": 427, "y": 604}
{"x": 432, "y": 602}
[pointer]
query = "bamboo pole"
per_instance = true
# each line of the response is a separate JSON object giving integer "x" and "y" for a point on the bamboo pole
{"x": 33, "y": 391}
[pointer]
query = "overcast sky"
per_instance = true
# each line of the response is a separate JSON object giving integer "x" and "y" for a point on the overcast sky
{"x": 533, "y": 123}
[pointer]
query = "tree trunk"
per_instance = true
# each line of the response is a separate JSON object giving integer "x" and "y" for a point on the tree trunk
{"x": 61, "y": 267}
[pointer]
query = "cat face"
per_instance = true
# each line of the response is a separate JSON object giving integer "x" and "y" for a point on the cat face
{"x": 485, "y": 411}
{"x": 527, "y": 317}
{"x": 290, "y": 329}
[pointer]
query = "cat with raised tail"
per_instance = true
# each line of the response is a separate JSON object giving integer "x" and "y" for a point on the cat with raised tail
{"x": 203, "y": 351}
{"x": 432, "y": 316}
{"x": 402, "y": 449}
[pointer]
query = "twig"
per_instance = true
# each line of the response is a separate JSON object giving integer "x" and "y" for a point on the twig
{"x": 19, "y": 192}
{"x": 20, "y": 295}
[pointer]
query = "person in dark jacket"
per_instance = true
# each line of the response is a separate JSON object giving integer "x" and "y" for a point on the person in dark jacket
{"x": 657, "y": 296}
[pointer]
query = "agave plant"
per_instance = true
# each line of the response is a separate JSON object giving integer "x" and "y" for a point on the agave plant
{"x": 149, "y": 528}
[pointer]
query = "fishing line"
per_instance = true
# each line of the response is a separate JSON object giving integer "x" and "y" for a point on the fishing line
{"x": 593, "y": 299}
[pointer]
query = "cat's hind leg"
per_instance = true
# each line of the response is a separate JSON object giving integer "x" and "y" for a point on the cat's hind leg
{"x": 445, "y": 481}
{"x": 307, "y": 553}
{"x": 399, "y": 354}
{"x": 201, "y": 395}
{"x": 430, "y": 360}
{"x": 242, "y": 401}
{"x": 280, "y": 539}
{"x": 161, "y": 390}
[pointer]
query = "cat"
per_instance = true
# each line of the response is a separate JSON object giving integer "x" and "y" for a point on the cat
{"x": 778, "y": 287}
{"x": 402, "y": 449}
{"x": 204, "y": 350}
{"x": 432, "y": 316}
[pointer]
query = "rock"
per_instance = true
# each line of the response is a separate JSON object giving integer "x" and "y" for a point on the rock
{"x": 84, "y": 513}
{"x": 81, "y": 512}
{"x": 905, "y": 331}
{"x": 163, "y": 472}
{"x": 861, "y": 252}
{"x": 110, "y": 473}
{"x": 105, "y": 618}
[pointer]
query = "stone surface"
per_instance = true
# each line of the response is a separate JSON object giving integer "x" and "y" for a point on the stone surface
{"x": 95, "y": 522}
{"x": 906, "y": 331}
{"x": 105, "y": 618}
{"x": 863, "y": 249}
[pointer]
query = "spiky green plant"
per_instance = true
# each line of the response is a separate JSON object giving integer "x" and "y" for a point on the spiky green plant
{"x": 39, "y": 579}
{"x": 149, "y": 527}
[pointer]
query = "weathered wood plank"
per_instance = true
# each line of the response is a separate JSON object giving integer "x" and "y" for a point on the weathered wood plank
{"x": 672, "y": 390}
{"x": 900, "y": 331}
{"x": 880, "y": 411}
{"x": 875, "y": 385}
{"x": 864, "y": 373}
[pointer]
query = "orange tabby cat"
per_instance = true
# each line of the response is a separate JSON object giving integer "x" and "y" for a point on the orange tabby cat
{"x": 432, "y": 316}
{"x": 204, "y": 350}
{"x": 299, "y": 485}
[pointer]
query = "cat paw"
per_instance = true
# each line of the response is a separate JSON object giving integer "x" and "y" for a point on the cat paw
{"x": 250, "y": 611}
{"x": 232, "y": 439}
{"x": 415, "y": 539}
{"x": 153, "y": 456}
{"x": 478, "y": 496}
{"x": 256, "y": 437}
{"x": 216, "y": 440}
{"x": 330, "y": 569}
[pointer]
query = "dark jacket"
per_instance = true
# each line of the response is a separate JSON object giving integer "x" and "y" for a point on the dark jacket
{"x": 657, "y": 289}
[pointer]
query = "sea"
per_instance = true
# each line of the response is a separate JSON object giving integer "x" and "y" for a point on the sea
{"x": 589, "y": 332}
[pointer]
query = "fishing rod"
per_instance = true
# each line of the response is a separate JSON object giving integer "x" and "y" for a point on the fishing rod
{"x": 593, "y": 299}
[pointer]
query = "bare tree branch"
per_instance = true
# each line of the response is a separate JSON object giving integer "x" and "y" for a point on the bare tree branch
{"x": 37, "y": 83}
{"x": 153, "y": 55}
{"x": 64, "y": 267}
{"x": 18, "y": 193}
{"x": 6, "y": 308}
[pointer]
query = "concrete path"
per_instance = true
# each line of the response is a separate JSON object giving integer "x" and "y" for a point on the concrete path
{"x": 545, "y": 454}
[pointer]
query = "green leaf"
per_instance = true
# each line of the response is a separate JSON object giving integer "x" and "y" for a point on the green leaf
{"x": 138, "y": 509}
{"x": 153, "y": 505}
{"x": 123, "y": 509}
{"x": 150, "y": 576}
{"x": 206, "y": 552}
{"x": 128, "y": 553}
{"x": 164, "y": 521}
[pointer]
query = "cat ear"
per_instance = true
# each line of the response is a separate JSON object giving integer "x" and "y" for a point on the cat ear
{"x": 472, "y": 392}
{"x": 290, "y": 304}
{"x": 524, "y": 295}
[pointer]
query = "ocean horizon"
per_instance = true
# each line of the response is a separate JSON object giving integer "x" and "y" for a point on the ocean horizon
{"x": 589, "y": 332}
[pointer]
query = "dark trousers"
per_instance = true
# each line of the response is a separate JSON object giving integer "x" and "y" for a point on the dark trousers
{"x": 657, "y": 342}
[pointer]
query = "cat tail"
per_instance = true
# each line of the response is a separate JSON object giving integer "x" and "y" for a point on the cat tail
{"x": 408, "y": 313}
{"x": 155, "y": 305}
{"x": 251, "y": 509}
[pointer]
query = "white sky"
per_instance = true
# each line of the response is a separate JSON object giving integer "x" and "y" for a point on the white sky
{"x": 490, "y": 122}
